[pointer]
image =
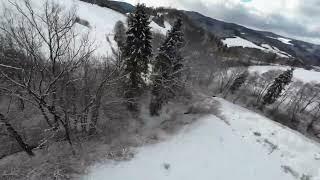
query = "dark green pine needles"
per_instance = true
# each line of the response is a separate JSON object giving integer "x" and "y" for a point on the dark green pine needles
{"x": 137, "y": 52}
{"x": 167, "y": 68}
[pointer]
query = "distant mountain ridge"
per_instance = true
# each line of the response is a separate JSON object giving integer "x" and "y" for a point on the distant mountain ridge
{"x": 303, "y": 50}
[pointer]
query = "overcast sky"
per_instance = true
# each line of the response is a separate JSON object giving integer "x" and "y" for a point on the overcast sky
{"x": 299, "y": 19}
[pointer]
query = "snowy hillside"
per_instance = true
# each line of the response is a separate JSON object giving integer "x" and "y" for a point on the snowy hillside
{"x": 158, "y": 29}
{"x": 101, "y": 22}
{"x": 248, "y": 147}
{"x": 240, "y": 42}
{"x": 270, "y": 49}
{"x": 283, "y": 40}
{"x": 306, "y": 76}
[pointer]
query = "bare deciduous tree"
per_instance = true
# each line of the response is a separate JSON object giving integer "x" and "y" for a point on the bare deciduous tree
{"x": 57, "y": 56}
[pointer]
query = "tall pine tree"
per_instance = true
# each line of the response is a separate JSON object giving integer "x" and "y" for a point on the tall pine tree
{"x": 274, "y": 91}
{"x": 137, "y": 53}
{"x": 167, "y": 68}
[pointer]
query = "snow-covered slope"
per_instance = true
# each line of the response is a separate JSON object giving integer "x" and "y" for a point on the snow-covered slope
{"x": 240, "y": 42}
{"x": 158, "y": 29}
{"x": 283, "y": 40}
{"x": 268, "y": 48}
{"x": 101, "y": 21}
{"x": 306, "y": 76}
{"x": 252, "y": 147}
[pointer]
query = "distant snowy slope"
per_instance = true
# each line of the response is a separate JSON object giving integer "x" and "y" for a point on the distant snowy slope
{"x": 268, "y": 48}
{"x": 283, "y": 40}
{"x": 306, "y": 76}
{"x": 102, "y": 21}
{"x": 292, "y": 149}
{"x": 252, "y": 147}
{"x": 158, "y": 29}
{"x": 240, "y": 42}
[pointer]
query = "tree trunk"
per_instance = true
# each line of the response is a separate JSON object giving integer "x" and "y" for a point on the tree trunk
{"x": 21, "y": 104}
{"x": 95, "y": 112}
{"x": 44, "y": 114}
{"x": 15, "y": 134}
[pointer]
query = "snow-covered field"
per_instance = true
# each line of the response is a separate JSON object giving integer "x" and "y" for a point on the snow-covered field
{"x": 240, "y": 42}
{"x": 306, "y": 76}
{"x": 283, "y": 40}
{"x": 252, "y": 147}
{"x": 101, "y": 21}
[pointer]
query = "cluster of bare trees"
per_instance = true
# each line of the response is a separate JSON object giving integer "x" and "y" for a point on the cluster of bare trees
{"x": 47, "y": 64}
{"x": 302, "y": 103}
{"x": 218, "y": 77}
{"x": 298, "y": 104}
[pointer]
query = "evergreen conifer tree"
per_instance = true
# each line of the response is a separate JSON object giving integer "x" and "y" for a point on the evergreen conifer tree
{"x": 137, "y": 53}
{"x": 167, "y": 67}
{"x": 274, "y": 91}
{"x": 120, "y": 34}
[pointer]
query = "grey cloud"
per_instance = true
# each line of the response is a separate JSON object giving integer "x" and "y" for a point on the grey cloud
{"x": 310, "y": 8}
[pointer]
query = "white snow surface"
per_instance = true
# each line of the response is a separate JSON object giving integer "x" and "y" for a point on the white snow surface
{"x": 211, "y": 149}
{"x": 158, "y": 29}
{"x": 101, "y": 20}
{"x": 306, "y": 76}
{"x": 240, "y": 42}
{"x": 283, "y": 40}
